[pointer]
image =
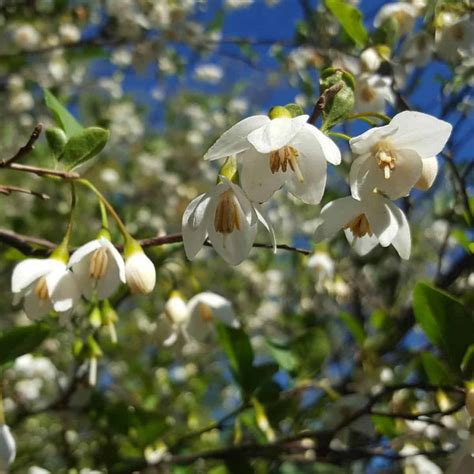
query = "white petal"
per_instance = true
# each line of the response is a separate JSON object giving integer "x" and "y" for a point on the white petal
{"x": 428, "y": 173}
{"x": 267, "y": 224}
{"x": 7, "y": 448}
{"x": 31, "y": 269}
{"x": 382, "y": 221}
{"x": 363, "y": 143}
{"x": 193, "y": 225}
{"x": 245, "y": 204}
{"x": 420, "y": 132}
{"x": 361, "y": 245}
{"x": 407, "y": 172}
{"x": 63, "y": 290}
{"x": 221, "y": 307}
{"x": 234, "y": 140}
{"x": 235, "y": 246}
{"x": 83, "y": 251}
{"x": 402, "y": 240}
{"x": 256, "y": 178}
{"x": 312, "y": 164}
{"x": 356, "y": 177}
{"x": 171, "y": 339}
{"x": 329, "y": 149}
{"x": 276, "y": 133}
{"x": 140, "y": 273}
{"x": 116, "y": 256}
{"x": 81, "y": 273}
{"x": 108, "y": 284}
{"x": 335, "y": 215}
{"x": 36, "y": 308}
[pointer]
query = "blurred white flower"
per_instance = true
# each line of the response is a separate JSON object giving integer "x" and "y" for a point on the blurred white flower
{"x": 372, "y": 92}
{"x": 274, "y": 152}
{"x": 227, "y": 217}
{"x": 393, "y": 158}
{"x": 456, "y": 40}
{"x": 404, "y": 14}
{"x": 7, "y": 448}
{"x": 98, "y": 268}
{"x": 37, "y": 470}
{"x": 69, "y": 33}
{"x": 29, "y": 366}
{"x": 235, "y": 4}
{"x": 366, "y": 223}
{"x": 211, "y": 73}
{"x": 238, "y": 105}
{"x": 323, "y": 266}
{"x": 21, "y": 101}
{"x": 44, "y": 285}
{"x": 140, "y": 273}
{"x": 26, "y": 37}
{"x": 419, "y": 464}
{"x": 370, "y": 60}
{"x": 417, "y": 49}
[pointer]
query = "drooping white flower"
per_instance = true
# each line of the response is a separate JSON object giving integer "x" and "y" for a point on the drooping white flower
{"x": 140, "y": 273}
{"x": 404, "y": 13}
{"x": 98, "y": 268}
{"x": 456, "y": 40}
{"x": 227, "y": 217}
{"x": 204, "y": 309}
{"x": 274, "y": 152}
{"x": 370, "y": 60}
{"x": 177, "y": 314}
{"x": 372, "y": 93}
{"x": 69, "y": 33}
{"x": 26, "y": 36}
{"x": 395, "y": 157}
{"x": 366, "y": 223}
{"x": 7, "y": 448}
{"x": 44, "y": 285}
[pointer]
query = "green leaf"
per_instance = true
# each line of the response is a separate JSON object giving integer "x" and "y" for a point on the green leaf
{"x": 23, "y": 340}
{"x": 350, "y": 19}
{"x": 311, "y": 348}
{"x": 236, "y": 345}
{"x": 354, "y": 326}
{"x": 281, "y": 352}
{"x": 436, "y": 370}
{"x": 62, "y": 116}
{"x": 446, "y": 322}
{"x": 84, "y": 146}
{"x": 467, "y": 365}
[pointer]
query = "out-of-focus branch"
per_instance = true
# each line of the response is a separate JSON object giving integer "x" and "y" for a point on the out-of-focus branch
{"x": 7, "y": 190}
{"x": 24, "y": 150}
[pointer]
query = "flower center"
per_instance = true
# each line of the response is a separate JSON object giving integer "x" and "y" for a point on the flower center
{"x": 367, "y": 94}
{"x": 359, "y": 226}
{"x": 205, "y": 312}
{"x": 227, "y": 217}
{"x": 41, "y": 289}
{"x": 284, "y": 158}
{"x": 98, "y": 263}
{"x": 385, "y": 155}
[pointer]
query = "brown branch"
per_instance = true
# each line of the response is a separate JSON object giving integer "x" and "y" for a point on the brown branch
{"x": 7, "y": 190}
{"x": 24, "y": 150}
{"x": 43, "y": 171}
{"x": 321, "y": 103}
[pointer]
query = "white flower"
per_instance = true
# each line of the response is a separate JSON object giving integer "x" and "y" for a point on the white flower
{"x": 370, "y": 59}
{"x": 323, "y": 265}
{"x": 397, "y": 156}
{"x": 177, "y": 314}
{"x": 456, "y": 40}
{"x": 7, "y": 448}
{"x": 366, "y": 223}
{"x": 209, "y": 73}
{"x": 26, "y": 37}
{"x": 204, "y": 309}
{"x": 404, "y": 13}
{"x": 98, "y": 268}
{"x": 272, "y": 152}
{"x": 372, "y": 93}
{"x": 235, "y": 4}
{"x": 140, "y": 272}
{"x": 225, "y": 216}
{"x": 44, "y": 285}
{"x": 69, "y": 33}
{"x": 417, "y": 49}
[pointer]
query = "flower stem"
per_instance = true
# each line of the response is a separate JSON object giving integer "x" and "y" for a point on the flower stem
{"x": 108, "y": 206}
{"x": 363, "y": 115}
{"x": 339, "y": 135}
{"x": 61, "y": 252}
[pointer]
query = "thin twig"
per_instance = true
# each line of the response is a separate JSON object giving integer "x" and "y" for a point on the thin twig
{"x": 43, "y": 171}
{"x": 7, "y": 190}
{"x": 324, "y": 98}
{"x": 24, "y": 150}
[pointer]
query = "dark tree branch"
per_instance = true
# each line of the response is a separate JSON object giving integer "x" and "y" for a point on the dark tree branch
{"x": 24, "y": 150}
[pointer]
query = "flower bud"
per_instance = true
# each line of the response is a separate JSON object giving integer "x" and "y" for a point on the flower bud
{"x": 176, "y": 309}
{"x": 7, "y": 448}
{"x": 470, "y": 402}
{"x": 140, "y": 272}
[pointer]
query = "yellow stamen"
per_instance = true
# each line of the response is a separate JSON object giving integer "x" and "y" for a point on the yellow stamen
{"x": 98, "y": 263}
{"x": 367, "y": 93}
{"x": 385, "y": 155}
{"x": 227, "y": 217}
{"x": 359, "y": 226}
{"x": 205, "y": 312}
{"x": 283, "y": 158}
{"x": 41, "y": 289}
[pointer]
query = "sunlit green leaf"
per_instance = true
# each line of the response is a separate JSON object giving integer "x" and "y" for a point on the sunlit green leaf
{"x": 350, "y": 19}
{"x": 63, "y": 117}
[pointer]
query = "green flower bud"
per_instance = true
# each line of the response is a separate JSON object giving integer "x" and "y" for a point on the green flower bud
{"x": 56, "y": 139}
{"x": 279, "y": 112}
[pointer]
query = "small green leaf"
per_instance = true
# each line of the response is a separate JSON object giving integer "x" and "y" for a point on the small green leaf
{"x": 62, "y": 116}
{"x": 84, "y": 146}
{"x": 350, "y": 19}
{"x": 57, "y": 139}
{"x": 436, "y": 370}
{"x": 281, "y": 352}
{"x": 23, "y": 340}
{"x": 354, "y": 326}
{"x": 446, "y": 322}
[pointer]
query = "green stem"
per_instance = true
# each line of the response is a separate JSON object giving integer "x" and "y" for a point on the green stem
{"x": 340, "y": 135}
{"x": 363, "y": 115}
{"x": 108, "y": 206}
{"x": 61, "y": 252}
{"x": 103, "y": 215}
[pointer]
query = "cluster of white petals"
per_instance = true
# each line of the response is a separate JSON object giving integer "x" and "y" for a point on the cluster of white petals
{"x": 194, "y": 320}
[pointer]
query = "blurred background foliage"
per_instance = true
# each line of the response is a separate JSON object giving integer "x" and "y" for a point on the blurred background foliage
{"x": 329, "y": 344}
